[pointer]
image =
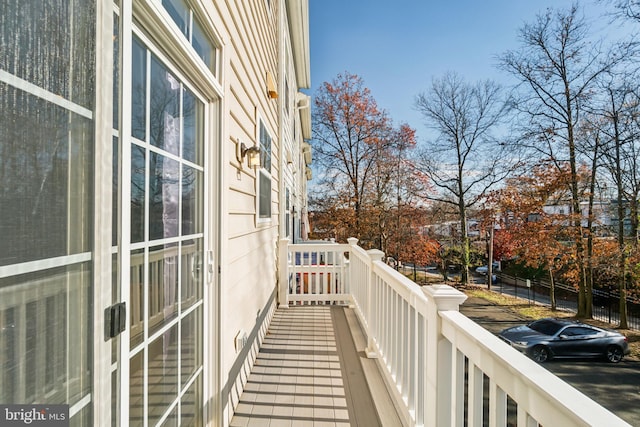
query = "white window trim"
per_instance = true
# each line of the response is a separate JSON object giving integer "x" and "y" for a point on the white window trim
{"x": 157, "y": 23}
{"x": 196, "y": 13}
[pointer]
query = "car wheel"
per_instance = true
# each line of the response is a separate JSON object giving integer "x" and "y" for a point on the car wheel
{"x": 540, "y": 354}
{"x": 614, "y": 354}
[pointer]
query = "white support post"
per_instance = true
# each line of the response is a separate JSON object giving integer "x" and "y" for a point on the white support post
{"x": 283, "y": 274}
{"x": 371, "y": 351}
{"x": 439, "y": 378}
{"x": 351, "y": 286}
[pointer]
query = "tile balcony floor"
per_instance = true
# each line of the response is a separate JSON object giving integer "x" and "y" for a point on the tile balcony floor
{"x": 311, "y": 371}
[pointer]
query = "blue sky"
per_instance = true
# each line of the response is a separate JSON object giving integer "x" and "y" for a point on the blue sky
{"x": 397, "y": 47}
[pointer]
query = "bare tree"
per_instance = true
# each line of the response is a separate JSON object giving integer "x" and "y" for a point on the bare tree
{"x": 464, "y": 160}
{"x": 619, "y": 111}
{"x": 626, "y": 8}
{"x": 591, "y": 148}
{"x": 557, "y": 66}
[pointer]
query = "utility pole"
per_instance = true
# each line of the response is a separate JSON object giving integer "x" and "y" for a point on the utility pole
{"x": 490, "y": 262}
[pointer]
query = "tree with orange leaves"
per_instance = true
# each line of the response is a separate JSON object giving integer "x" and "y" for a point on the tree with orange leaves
{"x": 503, "y": 244}
{"x": 420, "y": 250}
{"x": 541, "y": 236}
{"x": 362, "y": 161}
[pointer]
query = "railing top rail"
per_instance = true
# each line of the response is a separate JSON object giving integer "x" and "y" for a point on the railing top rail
{"x": 403, "y": 286}
{"x": 319, "y": 246}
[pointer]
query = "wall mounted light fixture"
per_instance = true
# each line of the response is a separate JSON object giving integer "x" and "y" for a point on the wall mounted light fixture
{"x": 272, "y": 89}
{"x": 251, "y": 153}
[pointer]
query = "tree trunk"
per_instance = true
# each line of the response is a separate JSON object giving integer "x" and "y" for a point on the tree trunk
{"x": 443, "y": 267}
{"x": 634, "y": 220}
{"x": 464, "y": 253}
{"x": 577, "y": 212}
{"x": 577, "y": 225}
{"x": 621, "y": 248}
{"x": 622, "y": 261}
{"x": 490, "y": 261}
{"x": 592, "y": 195}
{"x": 552, "y": 290}
{"x": 623, "y": 306}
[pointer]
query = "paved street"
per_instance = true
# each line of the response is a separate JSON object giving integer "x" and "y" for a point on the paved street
{"x": 614, "y": 386}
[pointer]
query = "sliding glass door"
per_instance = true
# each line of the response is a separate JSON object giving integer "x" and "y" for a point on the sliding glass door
{"x": 47, "y": 78}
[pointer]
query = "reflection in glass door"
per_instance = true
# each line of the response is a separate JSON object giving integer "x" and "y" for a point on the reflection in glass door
{"x": 48, "y": 117}
{"x": 167, "y": 244}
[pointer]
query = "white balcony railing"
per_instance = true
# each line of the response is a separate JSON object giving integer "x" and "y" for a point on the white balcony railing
{"x": 446, "y": 369}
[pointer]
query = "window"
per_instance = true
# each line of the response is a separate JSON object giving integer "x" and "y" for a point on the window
{"x": 287, "y": 231}
{"x": 183, "y": 16}
{"x": 265, "y": 148}
{"x": 264, "y": 175}
{"x": 579, "y": 331}
{"x": 534, "y": 217}
{"x": 287, "y": 100}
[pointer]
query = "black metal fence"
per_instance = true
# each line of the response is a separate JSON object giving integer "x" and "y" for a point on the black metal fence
{"x": 606, "y": 303}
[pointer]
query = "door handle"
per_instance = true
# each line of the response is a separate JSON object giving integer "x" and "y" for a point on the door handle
{"x": 209, "y": 266}
{"x": 196, "y": 266}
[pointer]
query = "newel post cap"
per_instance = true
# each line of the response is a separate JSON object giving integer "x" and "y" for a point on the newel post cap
{"x": 375, "y": 254}
{"x": 445, "y": 297}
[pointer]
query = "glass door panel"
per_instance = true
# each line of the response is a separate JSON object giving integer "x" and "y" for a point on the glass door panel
{"x": 162, "y": 286}
{"x": 167, "y": 244}
{"x": 47, "y": 147}
{"x": 162, "y": 374}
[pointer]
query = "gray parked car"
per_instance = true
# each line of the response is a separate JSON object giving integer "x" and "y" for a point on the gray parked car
{"x": 550, "y": 338}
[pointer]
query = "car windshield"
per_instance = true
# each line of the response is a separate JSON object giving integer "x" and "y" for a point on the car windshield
{"x": 547, "y": 327}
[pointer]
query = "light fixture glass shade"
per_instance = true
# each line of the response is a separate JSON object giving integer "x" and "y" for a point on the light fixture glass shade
{"x": 253, "y": 157}
{"x": 251, "y": 153}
